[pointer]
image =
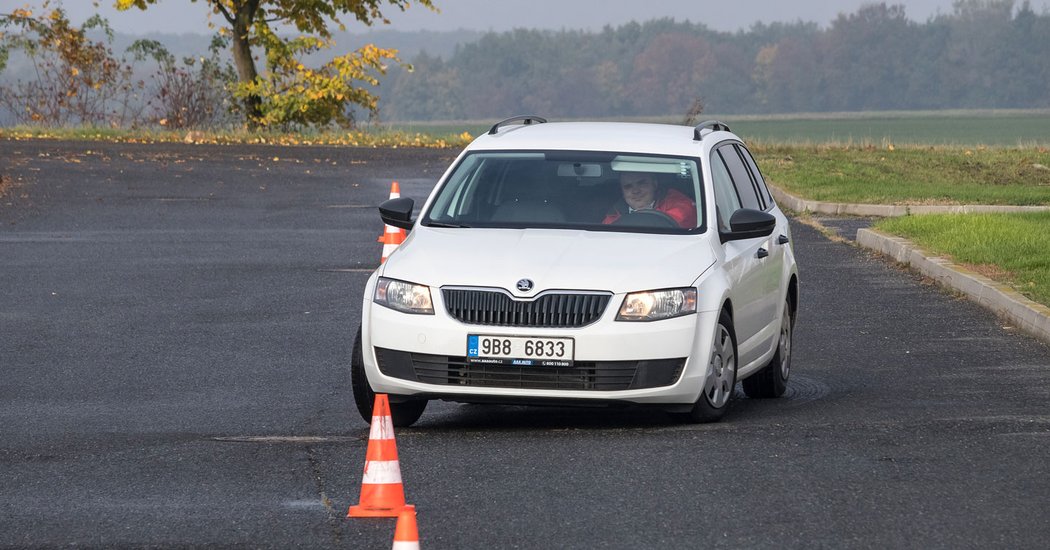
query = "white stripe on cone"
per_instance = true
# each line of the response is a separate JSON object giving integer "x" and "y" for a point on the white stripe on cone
{"x": 382, "y": 428}
{"x": 405, "y": 545}
{"x": 381, "y": 471}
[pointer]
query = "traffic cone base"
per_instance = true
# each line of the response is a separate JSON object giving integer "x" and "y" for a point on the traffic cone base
{"x": 361, "y": 512}
{"x": 379, "y": 500}
{"x": 382, "y": 493}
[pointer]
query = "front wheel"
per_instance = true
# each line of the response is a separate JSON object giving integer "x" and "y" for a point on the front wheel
{"x": 772, "y": 380}
{"x": 721, "y": 377}
{"x": 403, "y": 414}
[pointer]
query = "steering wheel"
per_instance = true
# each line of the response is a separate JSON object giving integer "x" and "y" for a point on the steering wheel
{"x": 646, "y": 218}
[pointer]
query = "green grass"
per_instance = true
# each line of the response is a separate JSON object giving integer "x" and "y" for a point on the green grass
{"x": 368, "y": 137}
{"x": 1012, "y": 128}
{"x": 969, "y": 128}
{"x": 1009, "y": 248}
{"x": 909, "y": 175}
{"x": 964, "y": 128}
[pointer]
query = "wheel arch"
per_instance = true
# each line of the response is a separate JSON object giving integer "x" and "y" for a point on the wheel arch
{"x": 727, "y": 306}
{"x": 792, "y": 296}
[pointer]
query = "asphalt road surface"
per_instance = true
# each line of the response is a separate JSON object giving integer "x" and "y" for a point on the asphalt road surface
{"x": 175, "y": 330}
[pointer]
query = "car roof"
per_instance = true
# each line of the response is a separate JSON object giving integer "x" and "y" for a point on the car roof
{"x": 631, "y": 137}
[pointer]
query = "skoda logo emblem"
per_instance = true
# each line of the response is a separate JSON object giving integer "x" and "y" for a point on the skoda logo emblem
{"x": 525, "y": 285}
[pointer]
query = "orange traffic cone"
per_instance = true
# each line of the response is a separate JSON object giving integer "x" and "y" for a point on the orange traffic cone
{"x": 392, "y": 236}
{"x": 406, "y": 536}
{"x": 382, "y": 495}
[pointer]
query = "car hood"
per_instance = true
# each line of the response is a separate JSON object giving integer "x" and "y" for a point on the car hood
{"x": 551, "y": 258}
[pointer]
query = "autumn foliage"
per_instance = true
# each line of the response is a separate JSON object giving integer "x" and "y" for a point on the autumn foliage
{"x": 286, "y": 93}
{"x": 78, "y": 80}
{"x": 292, "y": 95}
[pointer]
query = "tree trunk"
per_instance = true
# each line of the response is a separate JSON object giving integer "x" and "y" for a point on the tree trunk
{"x": 243, "y": 16}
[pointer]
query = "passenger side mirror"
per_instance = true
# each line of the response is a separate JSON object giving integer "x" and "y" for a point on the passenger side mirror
{"x": 397, "y": 212}
{"x": 748, "y": 223}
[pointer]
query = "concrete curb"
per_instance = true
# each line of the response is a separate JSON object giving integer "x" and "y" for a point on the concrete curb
{"x": 797, "y": 204}
{"x": 1031, "y": 317}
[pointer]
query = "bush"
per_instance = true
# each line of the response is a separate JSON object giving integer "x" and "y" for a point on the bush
{"x": 191, "y": 95}
{"x": 78, "y": 80}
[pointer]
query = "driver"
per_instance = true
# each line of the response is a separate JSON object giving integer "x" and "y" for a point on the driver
{"x": 642, "y": 192}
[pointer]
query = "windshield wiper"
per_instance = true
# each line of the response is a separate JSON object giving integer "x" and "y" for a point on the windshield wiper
{"x": 433, "y": 223}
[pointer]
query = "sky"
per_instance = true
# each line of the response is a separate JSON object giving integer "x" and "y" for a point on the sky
{"x": 182, "y": 16}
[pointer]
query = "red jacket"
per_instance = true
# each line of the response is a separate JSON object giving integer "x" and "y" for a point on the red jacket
{"x": 672, "y": 202}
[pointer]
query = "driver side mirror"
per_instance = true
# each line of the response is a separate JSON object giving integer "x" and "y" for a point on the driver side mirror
{"x": 397, "y": 212}
{"x": 748, "y": 223}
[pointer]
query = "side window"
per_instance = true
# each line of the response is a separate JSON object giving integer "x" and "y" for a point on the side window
{"x": 741, "y": 179}
{"x": 726, "y": 200}
{"x": 758, "y": 175}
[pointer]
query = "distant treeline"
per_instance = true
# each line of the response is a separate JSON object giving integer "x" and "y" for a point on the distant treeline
{"x": 985, "y": 54}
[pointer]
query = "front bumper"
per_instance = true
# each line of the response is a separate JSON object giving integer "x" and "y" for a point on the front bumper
{"x": 633, "y": 362}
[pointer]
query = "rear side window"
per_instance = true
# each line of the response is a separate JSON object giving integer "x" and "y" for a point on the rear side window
{"x": 741, "y": 178}
{"x": 757, "y": 174}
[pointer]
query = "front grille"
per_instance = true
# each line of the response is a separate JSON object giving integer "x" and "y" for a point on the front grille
{"x": 583, "y": 375}
{"x": 489, "y": 307}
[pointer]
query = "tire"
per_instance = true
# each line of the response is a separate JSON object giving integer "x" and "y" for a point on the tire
{"x": 721, "y": 377}
{"x": 772, "y": 380}
{"x": 403, "y": 414}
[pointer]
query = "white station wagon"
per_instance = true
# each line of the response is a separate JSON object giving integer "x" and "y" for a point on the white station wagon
{"x": 584, "y": 263}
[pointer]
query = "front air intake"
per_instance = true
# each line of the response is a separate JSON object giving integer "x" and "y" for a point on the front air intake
{"x": 551, "y": 310}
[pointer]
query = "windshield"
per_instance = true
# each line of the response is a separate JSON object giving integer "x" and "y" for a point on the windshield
{"x": 566, "y": 189}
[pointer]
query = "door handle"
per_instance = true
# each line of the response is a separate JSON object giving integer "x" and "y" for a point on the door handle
{"x": 762, "y": 253}
{"x": 783, "y": 239}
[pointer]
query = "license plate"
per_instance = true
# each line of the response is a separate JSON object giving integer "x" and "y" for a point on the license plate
{"x": 519, "y": 350}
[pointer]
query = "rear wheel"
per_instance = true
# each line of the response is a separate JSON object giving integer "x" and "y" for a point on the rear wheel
{"x": 403, "y": 414}
{"x": 721, "y": 377}
{"x": 772, "y": 380}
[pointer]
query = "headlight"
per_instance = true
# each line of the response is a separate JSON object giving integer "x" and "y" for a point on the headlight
{"x": 657, "y": 304}
{"x": 402, "y": 296}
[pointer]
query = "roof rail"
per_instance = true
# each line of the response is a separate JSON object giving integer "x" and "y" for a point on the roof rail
{"x": 714, "y": 125}
{"x": 526, "y": 119}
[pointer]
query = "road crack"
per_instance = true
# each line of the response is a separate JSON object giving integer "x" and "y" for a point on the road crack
{"x": 333, "y": 518}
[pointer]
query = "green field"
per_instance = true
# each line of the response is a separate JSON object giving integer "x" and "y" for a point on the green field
{"x": 1004, "y": 128}
{"x": 909, "y": 174}
{"x": 1011, "y": 129}
{"x": 1026, "y": 129}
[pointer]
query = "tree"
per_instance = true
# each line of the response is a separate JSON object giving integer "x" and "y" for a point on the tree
{"x": 868, "y": 55}
{"x": 431, "y": 90}
{"x": 668, "y": 74}
{"x": 287, "y": 92}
